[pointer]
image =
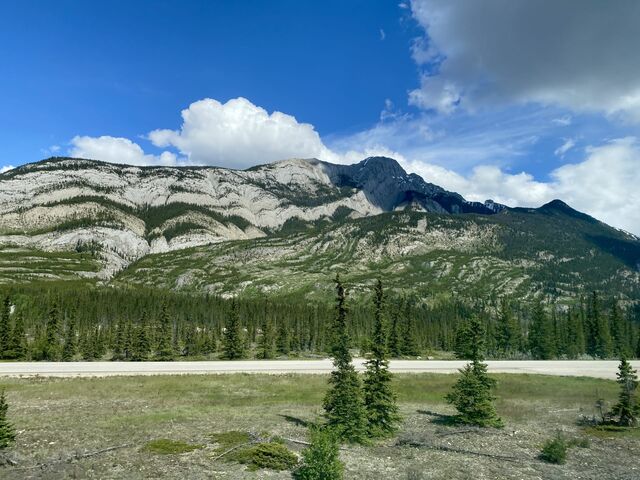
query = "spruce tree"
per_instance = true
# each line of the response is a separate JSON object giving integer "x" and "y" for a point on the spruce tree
{"x": 164, "y": 348}
{"x": 409, "y": 342}
{"x": 321, "y": 459}
{"x": 600, "y": 343}
{"x": 119, "y": 342}
{"x": 379, "y": 398}
{"x": 628, "y": 407}
{"x": 541, "y": 335}
{"x": 52, "y": 347}
{"x": 18, "y": 345}
{"x": 69, "y": 349}
{"x": 5, "y": 329}
{"x": 343, "y": 402}
{"x": 233, "y": 344}
{"x": 620, "y": 344}
{"x": 508, "y": 334}
{"x": 141, "y": 345}
{"x": 471, "y": 394}
{"x": 266, "y": 341}
{"x": 394, "y": 341}
{"x": 7, "y": 432}
{"x": 283, "y": 343}
{"x": 462, "y": 343}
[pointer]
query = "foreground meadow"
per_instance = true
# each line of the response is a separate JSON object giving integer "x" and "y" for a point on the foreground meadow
{"x": 68, "y": 426}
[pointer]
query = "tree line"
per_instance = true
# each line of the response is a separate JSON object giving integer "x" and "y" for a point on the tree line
{"x": 71, "y": 323}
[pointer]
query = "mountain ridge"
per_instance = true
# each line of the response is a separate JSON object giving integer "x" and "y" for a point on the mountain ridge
{"x": 101, "y": 221}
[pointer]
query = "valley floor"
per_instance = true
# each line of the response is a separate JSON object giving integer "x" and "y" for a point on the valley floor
{"x": 573, "y": 368}
{"x": 61, "y": 419}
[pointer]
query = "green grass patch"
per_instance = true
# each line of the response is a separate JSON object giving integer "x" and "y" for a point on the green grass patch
{"x": 227, "y": 440}
{"x": 165, "y": 446}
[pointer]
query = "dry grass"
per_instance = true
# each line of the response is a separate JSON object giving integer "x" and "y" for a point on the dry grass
{"x": 58, "y": 418}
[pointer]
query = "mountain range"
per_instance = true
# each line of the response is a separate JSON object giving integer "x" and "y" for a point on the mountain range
{"x": 285, "y": 228}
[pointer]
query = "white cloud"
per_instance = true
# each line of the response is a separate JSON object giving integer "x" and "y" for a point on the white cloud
{"x": 6, "y": 168}
{"x": 604, "y": 184}
{"x": 239, "y": 134}
{"x": 576, "y": 55}
{"x": 117, "y": 150}
{"x": 563, "y": 121}
{"x": 568, "y": 144}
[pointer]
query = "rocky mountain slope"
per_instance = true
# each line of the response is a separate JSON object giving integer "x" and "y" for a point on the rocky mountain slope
{"x": 284, "y": 227}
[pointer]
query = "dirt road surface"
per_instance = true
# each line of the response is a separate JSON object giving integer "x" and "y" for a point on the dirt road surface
{"x": 577, "y": 368}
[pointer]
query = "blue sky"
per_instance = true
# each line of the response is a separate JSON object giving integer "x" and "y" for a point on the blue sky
{"x": 522, "y": 105}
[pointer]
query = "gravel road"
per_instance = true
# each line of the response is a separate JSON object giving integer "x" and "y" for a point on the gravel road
{"x": 576, "y": 368}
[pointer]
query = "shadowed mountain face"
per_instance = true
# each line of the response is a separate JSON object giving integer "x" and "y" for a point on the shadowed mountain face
{"x": 287, "y": 227}
{"x": 386, "y": 184}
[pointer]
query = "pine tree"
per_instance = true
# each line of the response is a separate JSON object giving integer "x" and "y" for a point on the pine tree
{"x": 7, "y": 432}
{"x": 628, "y": 407}
{"x": 233, "y": 344}
{"x": 5, "y": 329}
{"x": 471, "y": 394}
{"x": 69, "y": 349}
{"x": 321, "y": 459}
{"x": 379, "y": 398}
{"x": 283, "y": 343}
{"x": 343, "y": 402}
{"x": 266, "y": 341}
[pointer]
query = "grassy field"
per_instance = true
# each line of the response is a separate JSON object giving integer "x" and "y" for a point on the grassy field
{"x": 59, "y": 419}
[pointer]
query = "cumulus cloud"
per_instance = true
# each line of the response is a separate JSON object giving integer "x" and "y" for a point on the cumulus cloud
{"x": 6, "y": 168}
{"x": 603, "y": 184}
{"x": 117, "y": 150}
{"x": 239, "y": 134}
{"x": 575, "y": 55}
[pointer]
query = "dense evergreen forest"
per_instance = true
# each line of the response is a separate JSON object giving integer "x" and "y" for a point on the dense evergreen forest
{"x": 68, "y": 322}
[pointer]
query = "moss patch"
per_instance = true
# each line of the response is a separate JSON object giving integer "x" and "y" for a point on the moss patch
{"x": 271, "y": 455}
{"x": 165, "y": 446}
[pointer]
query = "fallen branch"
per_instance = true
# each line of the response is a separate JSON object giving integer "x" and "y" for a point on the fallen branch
{"x": 232, "y": 449}
{"x": 77, "y": 456}
{"x": 461, "y": 451}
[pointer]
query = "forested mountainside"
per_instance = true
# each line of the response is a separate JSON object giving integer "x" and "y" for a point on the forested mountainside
{"x": 284, "y": 229}
{"x": 111, "y": 261}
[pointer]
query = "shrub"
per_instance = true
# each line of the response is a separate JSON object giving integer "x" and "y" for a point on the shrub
{"x": 271, "y": 455}
{"x": 554, "y": 450}
{"x": 321, "y": 460}
{"x": 164, "y": 446}
{"x": 7, "y": 432}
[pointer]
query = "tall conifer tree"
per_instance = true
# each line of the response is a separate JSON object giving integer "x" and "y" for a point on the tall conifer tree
{"x": 343, "y": 402}
{"x": 379, "y": 398}
{"x": 233, "y": 343}
{"x": 628, "y": 407}
{"x": 472, "y": 393}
